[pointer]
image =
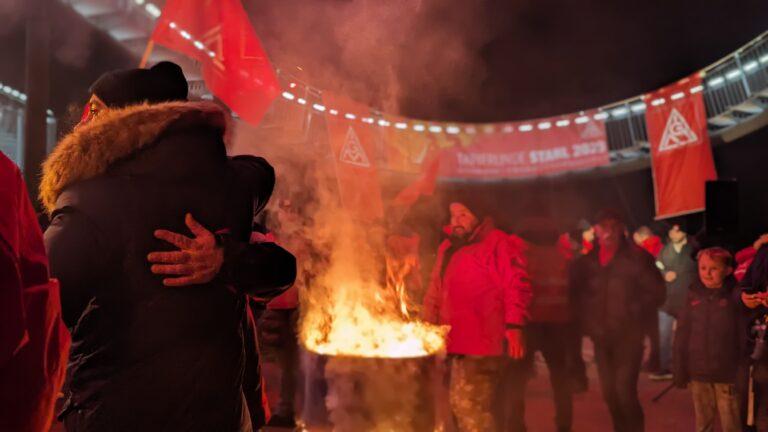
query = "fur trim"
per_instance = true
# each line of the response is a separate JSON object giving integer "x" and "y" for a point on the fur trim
{"x": 90, "y": 150}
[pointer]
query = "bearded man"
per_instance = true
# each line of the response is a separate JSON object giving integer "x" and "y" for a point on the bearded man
{"x": 479, "y": 286}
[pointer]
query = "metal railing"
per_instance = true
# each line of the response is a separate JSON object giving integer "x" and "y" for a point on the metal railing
{"x": 735, "y": 88}
{"x": 12, "y": 129}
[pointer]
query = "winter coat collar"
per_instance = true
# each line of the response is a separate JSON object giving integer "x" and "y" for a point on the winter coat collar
{"x": 729, "y": 284}
{"x": 91, "y": 149}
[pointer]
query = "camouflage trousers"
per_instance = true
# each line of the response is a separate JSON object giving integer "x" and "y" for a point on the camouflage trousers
{"x": 472, "y": 392}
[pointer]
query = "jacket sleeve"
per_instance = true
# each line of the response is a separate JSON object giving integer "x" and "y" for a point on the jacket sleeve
{"x": 576, "y": 288}
{"x": 680, "y": 345}
{"x": 257, "y": 175}
{"x": 263, "y": 270}
{"x": 757, "y": 274}
{"x": 512, "y": 273}
{"x": 652, "y": 287}
{"x": 76, "y": 253}
{"x": 430, "y": 309}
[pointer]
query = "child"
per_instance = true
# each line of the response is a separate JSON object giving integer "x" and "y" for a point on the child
{"x": 706, "y": 348}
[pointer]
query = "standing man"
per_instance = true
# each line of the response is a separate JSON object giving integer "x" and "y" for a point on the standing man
{"x": 480, "y": 288}
{"x": 618, "y": 288}
{"x": 679, "y": 270}
{"x": 549, "y": 328}
{"x": 154, "y": 353}
{"x": 651, "y": 243}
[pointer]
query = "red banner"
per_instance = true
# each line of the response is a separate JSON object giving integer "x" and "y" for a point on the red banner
{"x": 219, "y": 35}
{"x": 528, "y": 149}
{"x": 354, "y": 149}
{"x": 681, "y": 156}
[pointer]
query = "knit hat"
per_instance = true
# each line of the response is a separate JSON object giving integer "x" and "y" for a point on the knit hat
{"x": 162, "y": 82}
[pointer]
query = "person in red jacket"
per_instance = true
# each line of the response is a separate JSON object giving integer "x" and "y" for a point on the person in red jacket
{"x": 549, "y": 329}
{"x": 479, "y": 286}
{"x": 647, "y": 240}
{"x": 34, "y": 342}
{"x": 745, "y": 257}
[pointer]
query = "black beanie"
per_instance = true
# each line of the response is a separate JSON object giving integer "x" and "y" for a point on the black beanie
{"x": 163, "y": 82}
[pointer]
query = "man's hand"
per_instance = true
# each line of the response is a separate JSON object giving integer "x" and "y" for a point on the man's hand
{"x": 751, "y": 300}
{"x": 670, "y": 276}
{"x": 515, "y": 343}
{"x": 197, "y": 261}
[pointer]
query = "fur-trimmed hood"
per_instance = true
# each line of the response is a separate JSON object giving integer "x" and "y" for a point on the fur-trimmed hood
{"x": 90, "y": 150}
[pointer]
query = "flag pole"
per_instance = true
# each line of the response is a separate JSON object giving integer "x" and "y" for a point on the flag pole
{"x": 147, "y": 53}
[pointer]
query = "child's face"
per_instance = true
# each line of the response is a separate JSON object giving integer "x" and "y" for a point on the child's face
{"x": 712, "y": 273}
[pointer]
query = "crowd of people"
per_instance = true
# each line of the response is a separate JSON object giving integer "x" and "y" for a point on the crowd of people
{"x": 701, "y": 310}
{"x": 169, "y": 291}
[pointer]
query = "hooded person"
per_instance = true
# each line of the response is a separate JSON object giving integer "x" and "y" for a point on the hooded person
{"x": 147, "y": 354}
{"x": 479, "y": 287}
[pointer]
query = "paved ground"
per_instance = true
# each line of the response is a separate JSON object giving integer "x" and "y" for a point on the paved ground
{"x": 674, "y": 413}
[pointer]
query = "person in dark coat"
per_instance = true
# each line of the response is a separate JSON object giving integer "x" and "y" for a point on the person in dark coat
{"x": 754, "y": 295}
{"x": 617, "y": 287}
{"x": 146, "y": 356}
{"x": 679, "y": 270}
{"x": 707, "y": 348}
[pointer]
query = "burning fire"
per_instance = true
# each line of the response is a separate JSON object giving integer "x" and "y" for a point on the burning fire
{"x": 347, "y": 325}
{"x": 356, "y": 318}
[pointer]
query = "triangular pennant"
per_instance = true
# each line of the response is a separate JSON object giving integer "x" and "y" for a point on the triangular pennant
{"x": 352, "y": 152}
{"x": 677, "y": 132}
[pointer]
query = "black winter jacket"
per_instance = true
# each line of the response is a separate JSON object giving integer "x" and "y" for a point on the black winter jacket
{"x": 755, "y": 280}
{"x": 617, "y": 300}
{"x": 144, "y": 356}
{"x": 708, "y": 341}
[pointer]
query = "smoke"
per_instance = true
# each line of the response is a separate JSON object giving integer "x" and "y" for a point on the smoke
{"x": 401, "y": 56}
{"x": 348, "y": 310}
{"x": 11, "y": 14}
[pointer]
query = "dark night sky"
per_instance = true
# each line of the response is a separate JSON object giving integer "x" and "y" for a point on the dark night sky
{"x": 463, "y": 60}
{"x": 516, "y": 59}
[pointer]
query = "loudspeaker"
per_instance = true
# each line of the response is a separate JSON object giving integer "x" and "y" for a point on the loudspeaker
{"x": 722, "y": 207}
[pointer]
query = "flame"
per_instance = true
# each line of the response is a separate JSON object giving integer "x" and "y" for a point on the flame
{"x": 351, "y": 314}
{"x": 349, "y": 326}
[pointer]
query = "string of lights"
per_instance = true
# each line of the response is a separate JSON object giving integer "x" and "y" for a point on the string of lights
{"x": 635, "y": 106}
{"x": 16, "y": 95}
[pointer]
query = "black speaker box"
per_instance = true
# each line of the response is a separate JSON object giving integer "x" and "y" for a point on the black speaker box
{"x": 722, "y": 207}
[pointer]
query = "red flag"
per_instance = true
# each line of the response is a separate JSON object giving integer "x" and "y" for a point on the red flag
{"x": 424, "y": 185}
{"x": 219, "y": 35}
{"x": 681, "y": 156}
{"x": 353, "y": 144}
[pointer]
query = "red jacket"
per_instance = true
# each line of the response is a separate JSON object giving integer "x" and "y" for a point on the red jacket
{"x": 743, "y": 260}
{"x": 483, "y": 290}
{"x": 34, "y": 343}
{"x": 653, "y": 245}
{"x": 548, "y": 270}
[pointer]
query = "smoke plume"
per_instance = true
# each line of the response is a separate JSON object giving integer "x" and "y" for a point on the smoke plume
{"x": 401, "y": 56}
